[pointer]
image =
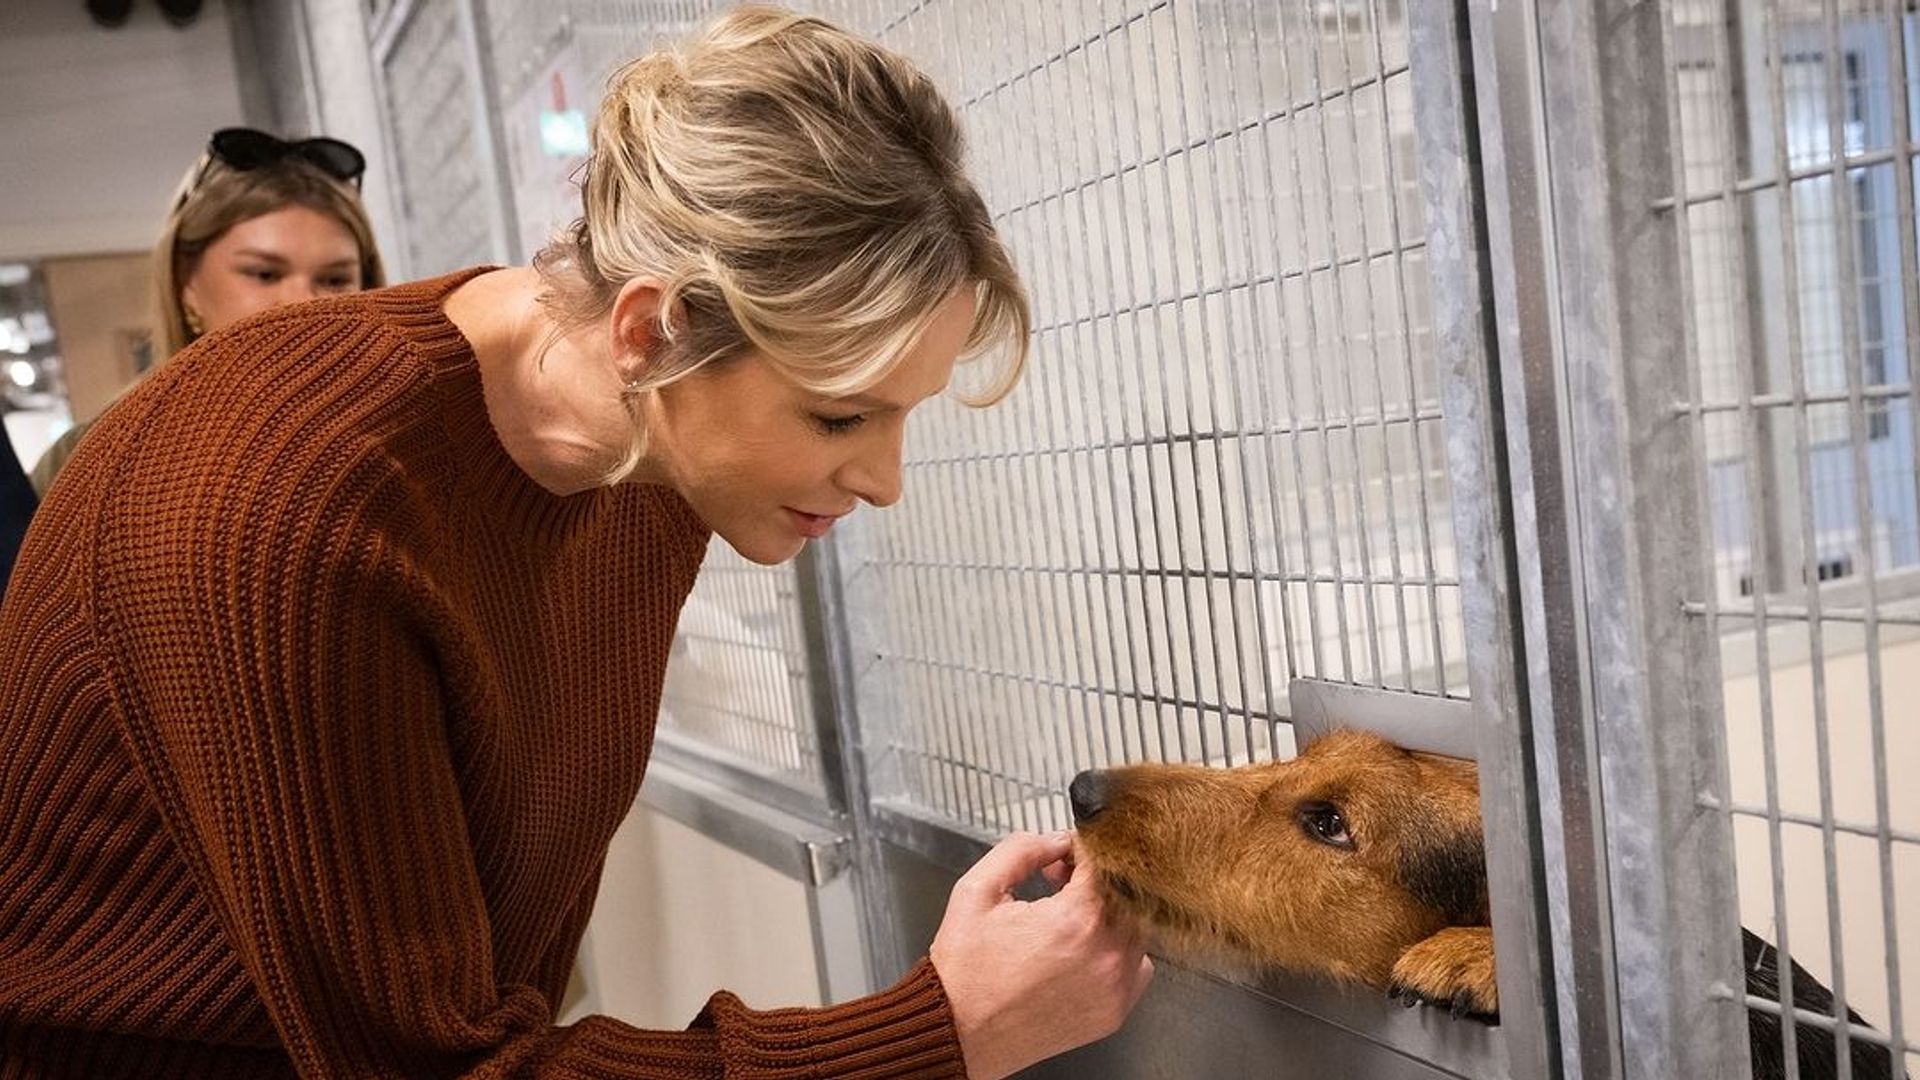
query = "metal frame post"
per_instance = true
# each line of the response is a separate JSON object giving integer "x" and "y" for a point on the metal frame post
{"x": 845, "y": 751}
{"x": 1624, "y": 688}
{"x": 1452, "y": 182}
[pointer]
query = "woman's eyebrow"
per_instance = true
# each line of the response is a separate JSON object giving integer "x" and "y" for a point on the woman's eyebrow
{"x": 875, "y": 402}
{"x": 866, "y": 401}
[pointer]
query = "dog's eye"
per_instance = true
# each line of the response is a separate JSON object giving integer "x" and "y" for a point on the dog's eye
{"x": 1325, "y": 823}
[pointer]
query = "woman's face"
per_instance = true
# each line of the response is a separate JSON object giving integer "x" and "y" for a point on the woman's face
{"x": 292, "y": 254}
{"x": 768, "y": 465}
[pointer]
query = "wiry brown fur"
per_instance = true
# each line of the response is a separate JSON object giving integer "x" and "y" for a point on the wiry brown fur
{"x": 1225, "y": 871}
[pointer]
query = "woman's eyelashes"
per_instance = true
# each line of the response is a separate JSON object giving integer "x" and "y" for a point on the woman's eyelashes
{"x": 267, "y": 275}
{"x": 838, "y": 425}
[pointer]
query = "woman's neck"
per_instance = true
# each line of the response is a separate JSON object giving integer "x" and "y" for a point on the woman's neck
{"x": 554, "y": 399}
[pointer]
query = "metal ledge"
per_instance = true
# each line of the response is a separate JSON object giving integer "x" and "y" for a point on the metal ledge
{"x": 1429, "y": 724}
{"x": 744, "y": 779}
{"x": 947, "y": 844}
{"x": 806, "y": 852}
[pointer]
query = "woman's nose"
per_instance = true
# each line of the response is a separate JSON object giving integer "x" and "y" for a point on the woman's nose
{"x": 874, "y": 476}
{"x": 296, "y": 289}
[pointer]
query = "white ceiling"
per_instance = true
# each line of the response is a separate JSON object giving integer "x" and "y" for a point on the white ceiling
{"x": 97, "y": 126}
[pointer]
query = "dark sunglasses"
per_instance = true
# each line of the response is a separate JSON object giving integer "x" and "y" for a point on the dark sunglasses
{"x": 245, "y": 149}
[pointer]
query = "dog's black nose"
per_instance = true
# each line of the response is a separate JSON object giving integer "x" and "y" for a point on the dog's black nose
{"x": 1088, "y": 793}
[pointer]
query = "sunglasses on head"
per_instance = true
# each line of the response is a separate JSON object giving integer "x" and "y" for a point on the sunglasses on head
{"x": 245, "y": 149}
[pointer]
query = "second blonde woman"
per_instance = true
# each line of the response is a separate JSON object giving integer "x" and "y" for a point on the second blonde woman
{"x": 258, "y": 222}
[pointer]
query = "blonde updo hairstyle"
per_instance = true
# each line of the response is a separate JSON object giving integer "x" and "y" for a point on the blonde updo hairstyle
{"x": 213, "y": 198}
{"x": 800, "y": 193}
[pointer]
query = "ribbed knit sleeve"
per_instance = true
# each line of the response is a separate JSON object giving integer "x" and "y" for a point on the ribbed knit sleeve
{"x": 295, "y": 679}
{"x": 905, "y": 1031}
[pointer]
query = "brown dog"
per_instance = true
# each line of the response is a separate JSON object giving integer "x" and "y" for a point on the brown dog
{"x": 1357, "y": 860}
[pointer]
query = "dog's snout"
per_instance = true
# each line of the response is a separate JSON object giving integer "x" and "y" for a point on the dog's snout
{"x": 1088, "y": 793}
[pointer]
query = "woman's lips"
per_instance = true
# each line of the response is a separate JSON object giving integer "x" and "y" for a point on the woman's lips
{"x": 811, "y": 526}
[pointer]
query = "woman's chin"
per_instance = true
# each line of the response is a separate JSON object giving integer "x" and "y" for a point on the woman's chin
{"x": 765, "y": 550}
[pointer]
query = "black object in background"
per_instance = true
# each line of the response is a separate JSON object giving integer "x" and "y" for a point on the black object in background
{"x": 17, "y": 504}
{"x": 114, "y": 13}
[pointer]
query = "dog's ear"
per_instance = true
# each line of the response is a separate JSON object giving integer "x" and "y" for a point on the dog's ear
{"x": 1443, "y": 859}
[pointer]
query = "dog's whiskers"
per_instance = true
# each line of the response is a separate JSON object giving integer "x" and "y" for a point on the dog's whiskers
{"x": 1162, "y": 911}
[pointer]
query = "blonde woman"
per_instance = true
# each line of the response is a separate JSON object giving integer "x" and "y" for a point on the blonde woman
{"x": 332, "y": 663}
{"x": 258, "y": 222}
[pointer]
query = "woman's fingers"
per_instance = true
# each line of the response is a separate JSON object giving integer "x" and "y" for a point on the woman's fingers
{"x": 1058, "y": 873}
{"x": 1013, "y": 860}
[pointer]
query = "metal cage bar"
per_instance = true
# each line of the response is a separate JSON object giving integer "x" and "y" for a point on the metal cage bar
{"x": 739, "y": 685}
{"x": 440, "y": 170}
{"x": 1188, "y": 566}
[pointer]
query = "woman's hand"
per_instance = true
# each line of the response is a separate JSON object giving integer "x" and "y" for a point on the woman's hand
{"x": 1028, "y": 980}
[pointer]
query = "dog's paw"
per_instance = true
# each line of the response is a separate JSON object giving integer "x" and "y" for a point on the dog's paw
{"x": 1453, "y": 969}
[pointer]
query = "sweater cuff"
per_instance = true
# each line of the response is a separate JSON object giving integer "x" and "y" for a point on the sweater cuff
{"x": 904, "y": 1031}
{"x": 603, "y": 1048}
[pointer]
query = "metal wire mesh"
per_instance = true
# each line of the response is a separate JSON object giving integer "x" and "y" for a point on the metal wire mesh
{"x": 1796, "y": 199}
{"x": 1226, "y": 469}
{"x": 737, "y": 682}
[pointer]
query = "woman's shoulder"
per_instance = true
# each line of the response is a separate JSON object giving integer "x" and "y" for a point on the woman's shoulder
{"x": 282, "y": 415}
{"x": 315, "y": 373}
{"x": 356, "y": 331}
{"x": 329, "y": 369}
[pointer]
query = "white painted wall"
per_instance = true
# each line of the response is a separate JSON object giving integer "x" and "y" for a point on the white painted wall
{"x": 681, "y": 916}
{"x": 97, "y": 126}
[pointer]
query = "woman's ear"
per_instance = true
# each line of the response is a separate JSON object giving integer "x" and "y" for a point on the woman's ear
{"x": 190, "y": 291}
{"x": 636, "y": 328}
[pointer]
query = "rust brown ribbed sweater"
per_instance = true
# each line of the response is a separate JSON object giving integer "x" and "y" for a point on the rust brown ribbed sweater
{"x": 316, "y": 717}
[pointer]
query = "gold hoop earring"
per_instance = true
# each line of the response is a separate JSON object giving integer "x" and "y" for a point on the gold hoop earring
{"x": 192, "y": 318}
